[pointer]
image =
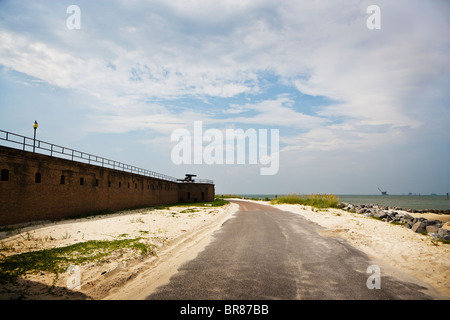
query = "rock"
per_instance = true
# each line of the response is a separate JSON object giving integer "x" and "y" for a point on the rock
{"x": 408, "y": 217}
{"x": 434, "y": 236}
{"x": 432, "y": 228}
{"x": 380, "y": 214}
{"x": 444, "y": 234}
{"x": 419, "y": 227}
{"x": 408, "y": 225}
{"x": 368, "y": 214}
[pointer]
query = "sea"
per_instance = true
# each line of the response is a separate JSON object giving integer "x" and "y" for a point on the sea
{"x": 417, "y": 202}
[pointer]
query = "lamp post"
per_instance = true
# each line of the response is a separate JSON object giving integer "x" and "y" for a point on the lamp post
{"x": 35, "y": 126}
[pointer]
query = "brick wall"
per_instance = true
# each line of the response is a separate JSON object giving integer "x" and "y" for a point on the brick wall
{"x": 195, "y": 192}
{"x": 37, "y": 187}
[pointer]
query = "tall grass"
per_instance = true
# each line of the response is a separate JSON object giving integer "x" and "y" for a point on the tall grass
{"x": 314, "y": 200}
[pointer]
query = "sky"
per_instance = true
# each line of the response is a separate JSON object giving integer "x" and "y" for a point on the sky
{"x": 355, "y": 108}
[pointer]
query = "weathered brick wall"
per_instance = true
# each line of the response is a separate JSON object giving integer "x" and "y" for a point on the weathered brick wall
{"x": 66, "y": 188}
{"x": 196, "y": 192}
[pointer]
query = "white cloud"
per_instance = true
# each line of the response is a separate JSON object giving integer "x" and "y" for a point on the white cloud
{"x": 136, "y": 59}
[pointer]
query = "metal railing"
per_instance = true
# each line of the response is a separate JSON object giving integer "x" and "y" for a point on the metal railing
{"x": 203, "y": 181}
{"x": 27, "y": 144}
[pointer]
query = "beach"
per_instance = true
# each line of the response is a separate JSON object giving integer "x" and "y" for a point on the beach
{"x": 398, "y": 247}
{"x": 164, "y": 229}
{"x": 177, "y": 234}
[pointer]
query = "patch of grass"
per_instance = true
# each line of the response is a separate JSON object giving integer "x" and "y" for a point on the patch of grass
{"x": 319, "y": 201}
{"x": 57, "y": 260}
{"x": 215, "y": 203}
{"x": 161, "y": 207}
{"x": 7, "y": 229}
{"x": 136, "y": 220}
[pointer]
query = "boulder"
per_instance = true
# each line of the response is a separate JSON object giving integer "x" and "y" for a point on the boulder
{"x": 431, "y": 222}
{"x": 408, "y": 224}
{"x": 432, "y": 228}
{"x": 380, "y": 214}
{"x": 392, "y": 214}
{"x": 444, "y": 234}
{"x": 419, "y": 227}
{"x": 407, "y": 217}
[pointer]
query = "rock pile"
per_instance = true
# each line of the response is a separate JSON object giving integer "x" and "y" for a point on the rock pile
{"x": 436, "y": 229}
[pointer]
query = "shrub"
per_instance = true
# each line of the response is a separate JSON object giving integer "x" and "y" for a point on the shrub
{"x": 313, "y": 200}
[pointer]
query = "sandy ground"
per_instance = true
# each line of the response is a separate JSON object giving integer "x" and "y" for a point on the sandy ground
{"x": 166, "y": 228}
{"x": 399, "y": 247}
{"x": 179, "y": 233}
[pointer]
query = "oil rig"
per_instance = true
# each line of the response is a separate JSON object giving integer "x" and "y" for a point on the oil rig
{"x": 383, "y": 193}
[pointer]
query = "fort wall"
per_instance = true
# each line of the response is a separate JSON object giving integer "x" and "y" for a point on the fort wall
{"x": 39, "y": 187}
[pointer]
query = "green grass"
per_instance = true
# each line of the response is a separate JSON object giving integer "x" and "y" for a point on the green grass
{"x": 57, "y": 260}
{"x": 319, "y": 201}
{"x": 215, "y": 203}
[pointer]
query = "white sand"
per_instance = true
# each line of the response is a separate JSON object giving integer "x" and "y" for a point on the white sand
{"x": 398, "y": 246}
{"x": 166, "y": 229}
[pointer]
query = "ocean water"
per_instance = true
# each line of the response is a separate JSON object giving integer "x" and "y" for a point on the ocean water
{"x": 438, "y": 202}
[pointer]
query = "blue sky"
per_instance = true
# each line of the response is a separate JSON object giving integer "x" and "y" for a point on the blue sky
{"x": 356, "y": 108}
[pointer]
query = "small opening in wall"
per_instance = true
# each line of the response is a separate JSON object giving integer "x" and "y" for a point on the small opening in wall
{"x": 120, "y": 184}
{"x": 63, "y": 179}
{"x": 37, "y": 177}
{"x": 96, "y": 182}
{"x": 203, "y": 196}
{"x": 189, "y": 196}
{"x": 5, "y": 175}
{"x": 109, "y": 183}
{"x": 128, "y": 185}
{"x": 81, "y": 181}
{"x": 135, "y": 185}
